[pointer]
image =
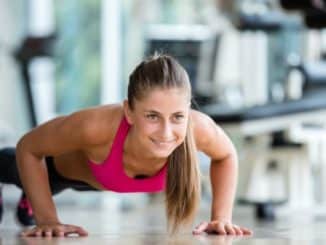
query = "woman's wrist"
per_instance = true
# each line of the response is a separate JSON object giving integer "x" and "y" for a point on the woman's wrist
{"x": 221, "y": 218}
{"x": 47, "y": 221}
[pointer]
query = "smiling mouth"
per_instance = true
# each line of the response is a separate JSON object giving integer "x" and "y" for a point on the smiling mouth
{"x": 162, "y": 143}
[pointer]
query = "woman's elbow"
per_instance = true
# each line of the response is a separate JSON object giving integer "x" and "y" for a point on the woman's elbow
{"x": 22, "y": 145}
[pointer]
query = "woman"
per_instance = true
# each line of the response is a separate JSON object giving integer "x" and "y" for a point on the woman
{"x": 147, "y": 144}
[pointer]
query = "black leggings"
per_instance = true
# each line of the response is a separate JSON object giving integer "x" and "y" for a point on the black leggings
{"x": 58, "y": 183}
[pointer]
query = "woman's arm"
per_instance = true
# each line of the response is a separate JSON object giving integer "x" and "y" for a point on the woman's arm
{"x": 212, "y": 140}
{"x": 60, "y": 135}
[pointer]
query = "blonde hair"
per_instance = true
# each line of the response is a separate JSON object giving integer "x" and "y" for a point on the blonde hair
{"x": 182, "y": 193}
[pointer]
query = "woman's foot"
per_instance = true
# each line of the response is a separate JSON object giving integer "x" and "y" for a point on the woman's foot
{"x": 24, "y": 212}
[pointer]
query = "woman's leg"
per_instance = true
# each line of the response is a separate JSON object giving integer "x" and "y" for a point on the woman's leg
{"x": 8, "y": 168}
{"x": 9, "y": 175}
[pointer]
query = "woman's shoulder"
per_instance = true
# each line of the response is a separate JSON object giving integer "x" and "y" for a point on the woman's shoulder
{"x": 101, "y": 122}
{"x": 199, "y": 120}
{"x": 210, "y": 138}
{"x": 204, "y": 128}
{"x": 76, "y": 131}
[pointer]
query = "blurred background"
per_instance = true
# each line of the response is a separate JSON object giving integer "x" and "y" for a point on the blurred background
{"x": 257, "y": 67}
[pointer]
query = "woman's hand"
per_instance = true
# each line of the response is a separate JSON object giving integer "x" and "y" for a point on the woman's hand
{"x": 221, "y": 228}
{"x": 54, "y": 230}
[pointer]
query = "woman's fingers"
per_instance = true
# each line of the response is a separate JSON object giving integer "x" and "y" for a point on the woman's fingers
{"x": 48, "y": 232}
{"x": 72, "y": 229}
{"x": 82, "y": 231}
{"x": 54, "y": 230}
{"x": 59, "y": 232}
{"x": 246, "y": 231}
{"x": 229, "y": 228}
{"x": 217, "y": 227}
{"x": 221, "y": 228}
{"x": 237, "y": 230}
{"x": 33, "y": 232}
{"x": 200, "y": 228}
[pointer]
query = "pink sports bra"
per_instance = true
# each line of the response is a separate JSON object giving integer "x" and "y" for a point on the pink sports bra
{"x": 112, "y": 176}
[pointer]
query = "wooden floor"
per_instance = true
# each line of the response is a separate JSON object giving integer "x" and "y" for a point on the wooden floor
{"x": 146, "y": 225}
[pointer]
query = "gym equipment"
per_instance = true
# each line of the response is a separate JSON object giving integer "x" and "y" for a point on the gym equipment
{"x": 31, "y": 48}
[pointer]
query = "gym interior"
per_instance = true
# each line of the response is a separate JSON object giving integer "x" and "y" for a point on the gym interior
{"x": 257, "y": 68}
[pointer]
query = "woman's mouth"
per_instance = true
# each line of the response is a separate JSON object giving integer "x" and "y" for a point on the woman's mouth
{"x": 162, "y": 143}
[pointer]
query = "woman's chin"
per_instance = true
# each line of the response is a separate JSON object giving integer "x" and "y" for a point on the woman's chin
{"x": 161, "y": 153}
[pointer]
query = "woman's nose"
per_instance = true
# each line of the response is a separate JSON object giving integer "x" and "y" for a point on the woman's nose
{"x": 167, "y": 131}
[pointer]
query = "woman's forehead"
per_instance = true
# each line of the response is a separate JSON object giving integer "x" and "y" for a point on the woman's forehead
{"x": 164, "y": 100}
{"x": 176, "y": 93}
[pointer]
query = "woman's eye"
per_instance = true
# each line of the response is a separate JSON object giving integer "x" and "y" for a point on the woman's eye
{"x": 151, "y": 116}
{"x": 179, "y": 117}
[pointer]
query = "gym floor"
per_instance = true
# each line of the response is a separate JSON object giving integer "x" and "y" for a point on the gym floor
{"x": 146, "y": 225}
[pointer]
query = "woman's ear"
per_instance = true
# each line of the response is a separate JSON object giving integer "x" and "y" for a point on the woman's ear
{"x": 127, "y": 111}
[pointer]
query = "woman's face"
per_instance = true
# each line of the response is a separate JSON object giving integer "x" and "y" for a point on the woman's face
{"x": 160, "y": 120}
